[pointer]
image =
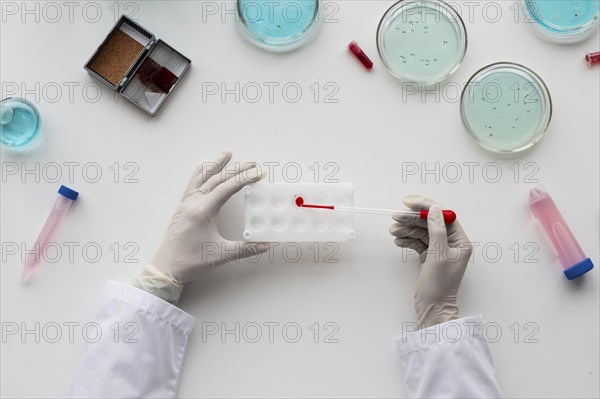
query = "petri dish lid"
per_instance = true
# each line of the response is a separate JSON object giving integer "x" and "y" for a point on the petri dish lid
{"x": 278, "y": 26}
{"x": 564, "y": 20}
{"x": 421, "y": 41}
{"x": 506, "y": 107}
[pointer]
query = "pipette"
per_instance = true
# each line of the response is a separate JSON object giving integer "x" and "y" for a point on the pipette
{"x": 449, "y": 216}
{"x": 572, "y": 258}
{"x": 61, "y": 206}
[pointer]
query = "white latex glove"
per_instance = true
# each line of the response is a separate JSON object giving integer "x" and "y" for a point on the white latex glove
{"x": 193, "y": 245}
{"x": 445, "y": 251}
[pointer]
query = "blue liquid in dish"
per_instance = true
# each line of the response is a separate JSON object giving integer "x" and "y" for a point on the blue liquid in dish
{"x": 421, "y": 41}
{"x": 278, "y": 23}
{"x": 19, "y": 122}
{"x": 506, "y": 108}
{"x": 564, "y": 17}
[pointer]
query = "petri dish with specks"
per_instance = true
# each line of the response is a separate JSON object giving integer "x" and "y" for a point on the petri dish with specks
{"x": 506, "y": 107}
{"x": 421, "y": 41}
{"x": 563, "y": 21}
{"x": 281, "y": 25}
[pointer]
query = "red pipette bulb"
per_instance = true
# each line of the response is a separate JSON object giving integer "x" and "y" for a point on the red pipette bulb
{"x": 592, "y": 58}
{"x": 358, "y": 53}
{"x": 449, "y": 216}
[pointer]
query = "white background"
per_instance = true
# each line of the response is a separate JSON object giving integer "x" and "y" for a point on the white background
{"x": 372, "y": 134}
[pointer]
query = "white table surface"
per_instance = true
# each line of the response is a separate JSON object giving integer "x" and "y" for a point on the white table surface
{"x": 372, "y": 136}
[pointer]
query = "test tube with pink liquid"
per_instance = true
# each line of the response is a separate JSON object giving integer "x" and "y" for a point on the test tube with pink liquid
{"x": 572, "y": 258}
{"x": 58, "y": 212}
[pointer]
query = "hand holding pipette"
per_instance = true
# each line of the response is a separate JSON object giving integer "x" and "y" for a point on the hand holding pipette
{"x": 444, "y": 249}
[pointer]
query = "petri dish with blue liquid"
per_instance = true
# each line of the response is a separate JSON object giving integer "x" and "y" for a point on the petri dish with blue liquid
{"x": 19, "y": 122}
{"x": 506, "y": 107}
{"x": 281, "y": 25}
{"x": 563, "y": 21}
{"x": 421, "y": 41}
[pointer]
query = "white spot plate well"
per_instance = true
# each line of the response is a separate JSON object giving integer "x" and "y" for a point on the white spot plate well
{"x": 271, "y": 213}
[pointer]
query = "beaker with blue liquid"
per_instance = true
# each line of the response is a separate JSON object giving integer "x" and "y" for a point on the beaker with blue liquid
{"x": 19, "y": 122}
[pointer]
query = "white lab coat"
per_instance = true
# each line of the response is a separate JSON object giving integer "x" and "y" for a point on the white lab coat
{"x": 145, "y": 357}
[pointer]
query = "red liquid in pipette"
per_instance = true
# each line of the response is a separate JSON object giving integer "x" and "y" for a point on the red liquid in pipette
{"x": 300, "y": 203}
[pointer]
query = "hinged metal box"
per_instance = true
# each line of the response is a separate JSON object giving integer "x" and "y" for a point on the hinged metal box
{"x": 133, "y": 63}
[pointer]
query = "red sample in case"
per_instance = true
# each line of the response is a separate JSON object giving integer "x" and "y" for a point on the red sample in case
{"x": 152, "y": 73}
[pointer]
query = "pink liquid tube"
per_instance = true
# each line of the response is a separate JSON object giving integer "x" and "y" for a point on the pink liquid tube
{"x": 572, "y": 258}
{"x": 58, "y": 212}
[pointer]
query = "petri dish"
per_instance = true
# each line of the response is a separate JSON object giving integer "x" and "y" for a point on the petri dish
{"x": 563, "y": 21}
{"x": 281, "y": 25}
{"x": 421, "y": 41}
{"x": 506, "y": 107}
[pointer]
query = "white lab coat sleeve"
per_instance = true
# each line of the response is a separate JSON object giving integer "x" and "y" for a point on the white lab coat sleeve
{"x": 448, "y": 360}
{"x": 139, "y": 349}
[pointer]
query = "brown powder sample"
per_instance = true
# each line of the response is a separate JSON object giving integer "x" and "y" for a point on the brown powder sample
{"x": 116, "y": 57}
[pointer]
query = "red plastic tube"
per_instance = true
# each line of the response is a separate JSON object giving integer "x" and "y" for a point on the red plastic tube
{"x": 358, "y": 53}
{"x": 592, "y": 58}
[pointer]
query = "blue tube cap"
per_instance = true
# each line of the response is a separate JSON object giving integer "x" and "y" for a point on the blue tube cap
{"x": 579, "y": 269}
{"x": 67, "y": 192}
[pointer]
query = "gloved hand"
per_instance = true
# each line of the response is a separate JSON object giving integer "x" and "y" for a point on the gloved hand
{"x": 193, "y": 245}
{"x": 445, "y": 251}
